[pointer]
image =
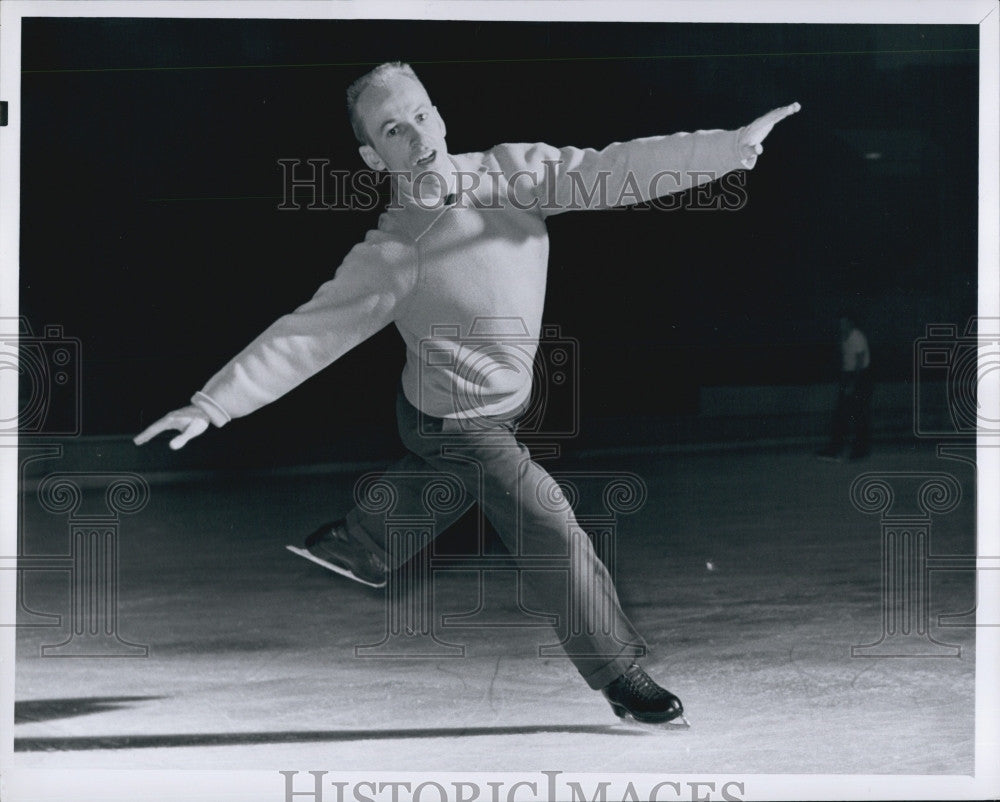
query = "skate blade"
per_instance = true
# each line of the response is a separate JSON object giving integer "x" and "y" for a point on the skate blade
{"x": 332, "y": 566}
{"x": 629, "y": 723}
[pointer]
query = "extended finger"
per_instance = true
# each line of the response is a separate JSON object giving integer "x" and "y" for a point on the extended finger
{"x": 154, "y": 429}
{"x": 785, "y": 111}
{"x": 758, "y": 130}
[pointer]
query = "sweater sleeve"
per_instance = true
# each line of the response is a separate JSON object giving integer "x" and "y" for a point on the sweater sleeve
{"x": 556, "y": 180}
{"x": 363, "y": 297}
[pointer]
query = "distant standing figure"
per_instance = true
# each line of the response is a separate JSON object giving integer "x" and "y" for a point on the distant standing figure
{"x": 852, "y": 417}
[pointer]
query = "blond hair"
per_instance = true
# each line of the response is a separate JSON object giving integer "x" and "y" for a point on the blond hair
{"x": 377, "y": 77}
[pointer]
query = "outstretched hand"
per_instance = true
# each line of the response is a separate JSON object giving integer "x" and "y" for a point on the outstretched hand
{"x": 755, "y": 133}
{"x": 189, "y": 421}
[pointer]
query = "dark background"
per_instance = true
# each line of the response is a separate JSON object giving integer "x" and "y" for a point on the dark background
{"x": 150, "y": 184}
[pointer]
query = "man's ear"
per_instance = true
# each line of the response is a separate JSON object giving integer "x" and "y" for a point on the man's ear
{"x": 371, "y": 158}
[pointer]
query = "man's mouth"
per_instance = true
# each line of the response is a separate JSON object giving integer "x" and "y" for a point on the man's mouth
{"x": 426, "y": 159}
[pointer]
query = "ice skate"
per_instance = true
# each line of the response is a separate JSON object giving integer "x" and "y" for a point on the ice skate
{"x": 636, "y": 699}
{"x": 333, "y": 548}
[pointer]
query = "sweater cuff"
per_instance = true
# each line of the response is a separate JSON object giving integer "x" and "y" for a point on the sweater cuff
{"x": 215, "y": 413}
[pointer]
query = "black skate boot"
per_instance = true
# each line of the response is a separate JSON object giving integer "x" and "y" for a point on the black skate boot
{"x": 332, "y": 547}
{"x": 635, "y": 696}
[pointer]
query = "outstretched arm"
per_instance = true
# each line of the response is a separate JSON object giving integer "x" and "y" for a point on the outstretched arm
{"x": 555, "y": 180}
{"x": 752, "y": 135}
{"x": 361, "y": 299}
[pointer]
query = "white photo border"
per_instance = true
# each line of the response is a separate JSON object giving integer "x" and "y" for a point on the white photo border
{"x": 45, "y": 784}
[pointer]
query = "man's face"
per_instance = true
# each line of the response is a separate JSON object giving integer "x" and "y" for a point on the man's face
{"x": 405, "y": 132}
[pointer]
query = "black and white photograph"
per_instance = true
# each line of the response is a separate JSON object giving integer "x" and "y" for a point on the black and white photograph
{"x": 499, "y": 401}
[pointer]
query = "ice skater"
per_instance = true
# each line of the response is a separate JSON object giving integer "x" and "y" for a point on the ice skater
{"x": 458, "y": 262}
{"x": 852, "y": 415}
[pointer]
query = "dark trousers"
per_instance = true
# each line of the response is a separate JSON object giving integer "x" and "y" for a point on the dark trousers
{"x": 852, "y": 419}
{"x": 488, "y": 465}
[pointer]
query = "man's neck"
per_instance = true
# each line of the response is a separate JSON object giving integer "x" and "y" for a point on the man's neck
{"x": 428, "y": 190}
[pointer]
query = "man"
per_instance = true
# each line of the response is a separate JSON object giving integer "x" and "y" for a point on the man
{"x": 458, "y": 262}
{"x": 852, "y": 416}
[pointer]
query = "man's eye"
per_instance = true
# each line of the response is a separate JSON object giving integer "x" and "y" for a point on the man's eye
{"x": 421, "y": 117}
{"x": 391, "y": 132}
